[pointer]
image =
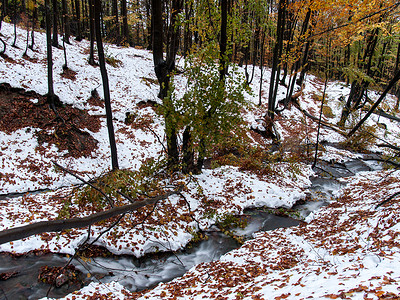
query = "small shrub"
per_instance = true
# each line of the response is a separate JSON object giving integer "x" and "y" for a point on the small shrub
{"x": 327, "y": 112}
{"x": 112, "y": 61}
{"x": 121, "y": 182}
{"x": 227, "y": 221}
{"x": 65, "y": 212}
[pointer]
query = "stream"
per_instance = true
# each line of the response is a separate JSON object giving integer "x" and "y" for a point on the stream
{"x": 138, "y": 274}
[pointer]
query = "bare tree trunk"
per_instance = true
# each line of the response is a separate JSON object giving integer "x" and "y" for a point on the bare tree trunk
{"x": 116, "y": 27}
{"x": 359, "y": 87}
{"x": 65, "y": 18}
{"x": 78, "y": 21}
{"x": 14, "y": 44}
{"x": 163, "y": 69}
{"x": 91, "y": 32}
{"x": 55, "y": 23}
{"x": 125, "y": 28}
{"x": 106, "y": 88}
{"x": 21, "y": 232}
{"x": 276, "y": 57}
{"x": 149, "y": 17}
{"x": 34, "y": 20}
{"x": 50, "y": 88}
{"x": 297, "y": 63}
{"x": 224, "y": 41}
{"x": 187, "y": 38}
{"x": 261, "y": 67}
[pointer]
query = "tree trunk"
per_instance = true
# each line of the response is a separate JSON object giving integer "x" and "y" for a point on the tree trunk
{"x": 78, "y": 21}
{"x": 116, "y": 29}
{"x": 187, "y": 152}
{"x": 21, "y": 232}
{"x": 261, "y": 67}
{"x": 163, "y": 69}
{"x": 106, "y": 88}
{"x": 187, "y": 38}
{"x": 276, "y": 57}
{"x": 91, "y": 33}
{"x": 223, "y": 41}
{"x": 298, "y": 63}
{"x": 15, "y": 23}
{"x": 125, "y": 28}
{"x": 359, "y": 87}
{"x": 50, "y": 88}
{"x": 85, "y": 16}
{"x": 66, "y": 25}
{"x": 149, "y": 15}
{"x": 55, "y": 23}
{"x": 34, "y": 20}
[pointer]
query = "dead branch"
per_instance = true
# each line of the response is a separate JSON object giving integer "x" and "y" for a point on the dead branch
{"x": 320, "y": 122}
{"x": 110, "y": 201}
{"x": 323, "y": 123}
{"x": 389, "y": 146}
{"x": 21, "y": 232}
{"x": 157, "y": 137}
{"x": 387, "y": 200}
{"x": 385, "y": 144}
{"x": 381, "y": 113}
{"x": 376, "y": 104}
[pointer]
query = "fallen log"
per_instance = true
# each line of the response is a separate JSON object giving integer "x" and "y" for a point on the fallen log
{"x": 21, "y": 232}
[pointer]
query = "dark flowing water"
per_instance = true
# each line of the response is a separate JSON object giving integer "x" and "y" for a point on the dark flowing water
{"x": 138, "y": 274}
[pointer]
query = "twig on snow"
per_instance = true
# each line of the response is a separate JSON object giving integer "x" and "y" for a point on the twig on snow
{"x": 387, "y": 200}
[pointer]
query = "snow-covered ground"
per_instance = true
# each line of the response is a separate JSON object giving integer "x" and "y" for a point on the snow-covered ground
{"x": 337, "y": 254}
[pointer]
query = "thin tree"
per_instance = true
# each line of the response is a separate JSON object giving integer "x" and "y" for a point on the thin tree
{"x": 163, "y": 69}
{"x": 15, "y": 23}
{"x": 52, "y": 99}
{"x": 275, "y": 72}
{"x": 116, "y": 26}
{"x": 125, "y": 27}
{"x": 55, "y": 24}
{"x": 65, "y": 19}
{"x": 91, "y": 33}
{"x": 223, "y": 44}
{"x": 34, "y": 20}
{"x": 106, "y": 87}
{"x": 78, "y": 21}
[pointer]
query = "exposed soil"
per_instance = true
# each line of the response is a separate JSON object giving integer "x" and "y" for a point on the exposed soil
{"x": 25, "y": 109}
{"x": 68, "y": 73}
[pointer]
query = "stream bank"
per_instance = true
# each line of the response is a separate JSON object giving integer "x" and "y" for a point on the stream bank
{"x": 143, "y": 273}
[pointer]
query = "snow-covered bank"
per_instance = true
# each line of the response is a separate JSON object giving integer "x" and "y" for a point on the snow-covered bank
{"x": 347, "y": 250}
{"x": 223, "y": 191}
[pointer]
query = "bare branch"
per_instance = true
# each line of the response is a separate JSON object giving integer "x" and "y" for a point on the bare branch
{"x": 388, "y": 88}
{"x": 110, "y": 201}
{"x": 323, "y": 123}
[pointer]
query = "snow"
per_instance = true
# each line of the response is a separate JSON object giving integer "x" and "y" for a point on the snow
{"x": 337, "y": 254}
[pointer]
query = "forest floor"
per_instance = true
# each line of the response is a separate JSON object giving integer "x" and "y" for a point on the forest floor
{"x": 349, "y": 249}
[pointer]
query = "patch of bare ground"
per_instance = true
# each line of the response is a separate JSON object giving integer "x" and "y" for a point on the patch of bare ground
{"x": 68, "y": 73}
{"x": 7, "y": 58}
{"x": 25, "y": 109}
